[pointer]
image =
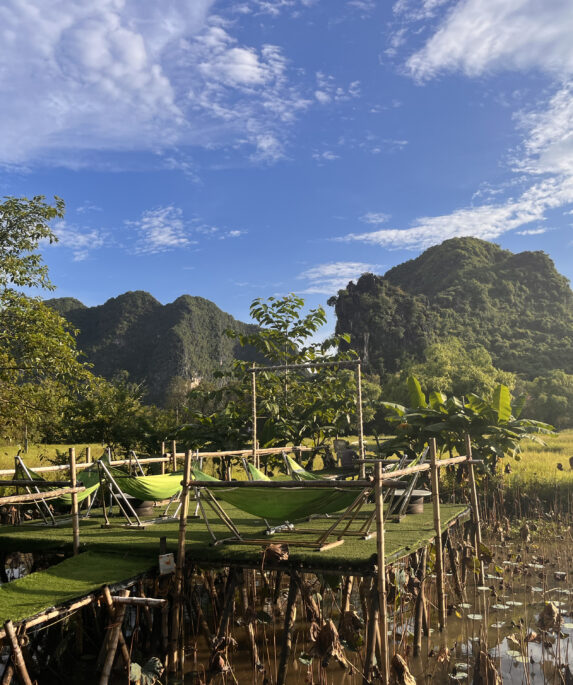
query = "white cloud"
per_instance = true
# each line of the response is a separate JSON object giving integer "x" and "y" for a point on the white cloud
{"x": 325, "y": 156}
{"x": 135, "y": 75}
{"x": 81, "y": 241}
{"x": 326, "y": 279}
{"x": 375, "y": 218}
{"x": 533, "y": 231}
{"x": 161, "y": 229}
{"x": 481, "y": 35}
{"x": 329, "y": 91}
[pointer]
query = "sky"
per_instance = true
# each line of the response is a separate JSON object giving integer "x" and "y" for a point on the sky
{"x": 252, "y": 148}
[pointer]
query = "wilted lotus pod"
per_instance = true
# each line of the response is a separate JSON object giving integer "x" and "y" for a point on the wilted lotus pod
{"x": 524, "y": 533}
{"x": 349, "y": 628}
{"x": 400, "y": 673}
{"x": 326, "y": 644}
{"x": 549, "y": 618}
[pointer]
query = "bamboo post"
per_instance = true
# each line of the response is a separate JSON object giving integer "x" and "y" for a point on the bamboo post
{"x": 19, "y": 663}
{"x": 254, "y": 407}
{"x": 173, "y": 456}
{"x": 371, "y": 633}
{"x": 176, "y": 655}
{"x": 360, "y": 418}
{"x": 475, "y": 507}
{"x": 381, "y": 577}
{"x": 288, "y": 628}
{"x": 163, "y": 455}
{"x": 88, "y": 461}
{"x": 435, "y": 479}
{"x": 114, "y": 638}
{"x": 420, "y": 600}
{"x": 75, "y": 512}
{"x": 112, "y": 613}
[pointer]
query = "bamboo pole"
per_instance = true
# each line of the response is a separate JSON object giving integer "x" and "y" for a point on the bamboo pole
{"x": 18, "y": 658}
{"x": 88, "y": 464}
{"x": 371, "y": 633}
{"x": 381, "y": 578}
{"x": 114, "y": 638}
{"x": 420, "y": 602}
{"x": 33, "y": 496}
{"x": 360, "y": 418}
{"x": 173, "y": 456}
{"x": 290, "y": 614}
{"x": 176, "y": 656}
{"x": 254, "y": 410}
{"x": 475, "y": 508}
{"x": 109, "y": 600}
{"x": 438, "y": 540}
{"x": 75, "y": 510}
{"x": 162, "y": 458}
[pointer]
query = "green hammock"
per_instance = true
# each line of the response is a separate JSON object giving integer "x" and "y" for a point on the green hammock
{"x": 156, "y": 488}
{"x": 256, "y": 474}
{"x": 288, "y": 504}
{"x": 298, "y": 472}
{"x": 89, "y": 477}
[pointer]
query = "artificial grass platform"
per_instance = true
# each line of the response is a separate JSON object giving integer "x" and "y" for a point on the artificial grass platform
{"x": 73, "y": 578}
{"x": 355, "y": 555}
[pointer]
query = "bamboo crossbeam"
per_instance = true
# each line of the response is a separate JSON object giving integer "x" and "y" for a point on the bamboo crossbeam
{"x": 310, "y": 365}
{"x": 51, "y": 494}
{"x": 330, "y": 484}
{"x": 151, "y": 602}
{"x": 22, "y": 482}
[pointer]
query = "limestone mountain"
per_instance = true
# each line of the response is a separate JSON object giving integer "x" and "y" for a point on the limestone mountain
{"x": 163, "y": 346}
{"x": 517, "y": 306}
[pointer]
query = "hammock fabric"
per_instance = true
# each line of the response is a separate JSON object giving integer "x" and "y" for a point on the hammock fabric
{"x": 290, "y": 504}
{"x": 89, "y": 477}
{"x": 298, "y": 472}
{"x": 256, "y": 474}
{"x": 156, "y": 488}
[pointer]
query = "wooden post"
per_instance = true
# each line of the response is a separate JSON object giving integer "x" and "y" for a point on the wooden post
{"x": 114, "y": 638}
{"x": 420, "y": 600}
{"x": 173, "y": 456}
{"x": 176, "y": 655}
{"x": 75, "y": 512}
{"x": 381, "y": 577}
{"x": 19, "y": 663}
{"x": 360, "y": 419}
{"x": 435, "y": 479}
{"x": 288, "y": 628}
{"x": 254, "y": 407}
{"x": 371, "y": 633}
{"x": 475, "y": 507}
{"x": 163, "y": 455}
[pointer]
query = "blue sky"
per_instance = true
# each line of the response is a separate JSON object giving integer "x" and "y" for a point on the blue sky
{"x": 251, "y": 148}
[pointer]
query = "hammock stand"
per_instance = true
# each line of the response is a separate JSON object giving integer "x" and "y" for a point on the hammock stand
{"x": 41, "y": 505}
{"x": 341, "y": 525}
{"x": 117, "y": 493}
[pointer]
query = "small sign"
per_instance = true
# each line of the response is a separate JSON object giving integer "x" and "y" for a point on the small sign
{"x": 166, "y": 564}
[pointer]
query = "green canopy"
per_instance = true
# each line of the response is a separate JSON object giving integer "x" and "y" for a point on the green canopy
{"x": 156, "y": 488}
{"x": 288, "y": 504}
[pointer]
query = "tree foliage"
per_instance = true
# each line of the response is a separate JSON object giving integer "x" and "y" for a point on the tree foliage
{"x": 39, "y": 363}
{"x": 493, "y": 423}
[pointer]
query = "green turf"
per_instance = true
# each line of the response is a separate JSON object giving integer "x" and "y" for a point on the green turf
{"x": 413, "y": 532}
{"x": 72, "y": 578}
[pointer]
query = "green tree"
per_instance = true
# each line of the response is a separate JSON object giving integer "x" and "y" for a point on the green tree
{"x": 550, "y": 398}
{"x": 39, "y": 363}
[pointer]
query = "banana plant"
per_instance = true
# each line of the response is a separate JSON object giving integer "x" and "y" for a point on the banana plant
{"x": 493, "y": 424}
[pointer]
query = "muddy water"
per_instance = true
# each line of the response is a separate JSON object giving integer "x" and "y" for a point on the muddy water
{"x": 502, "y": 616}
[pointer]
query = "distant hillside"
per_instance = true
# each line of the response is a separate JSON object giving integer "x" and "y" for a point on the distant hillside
{"x": 160, "y": 345}
{"x": 516, "y": 305}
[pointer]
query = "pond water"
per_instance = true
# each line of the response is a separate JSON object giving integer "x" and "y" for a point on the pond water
{"x": 501, "y": 618}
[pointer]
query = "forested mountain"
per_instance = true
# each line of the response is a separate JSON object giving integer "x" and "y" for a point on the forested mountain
{"x": 517, "y": 306}
{"x": 167, "y": 347}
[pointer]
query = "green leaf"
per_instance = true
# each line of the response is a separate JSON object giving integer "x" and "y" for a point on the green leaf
{"x": 417, "y": 397}
{"x": 502, "y": 402}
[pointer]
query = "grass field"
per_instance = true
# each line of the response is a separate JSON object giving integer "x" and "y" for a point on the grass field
{"x": 538, "y": 465}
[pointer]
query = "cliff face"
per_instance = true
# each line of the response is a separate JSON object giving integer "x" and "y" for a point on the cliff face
{"x": 158, "y": 345}
{"x": 516, "y": 305}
